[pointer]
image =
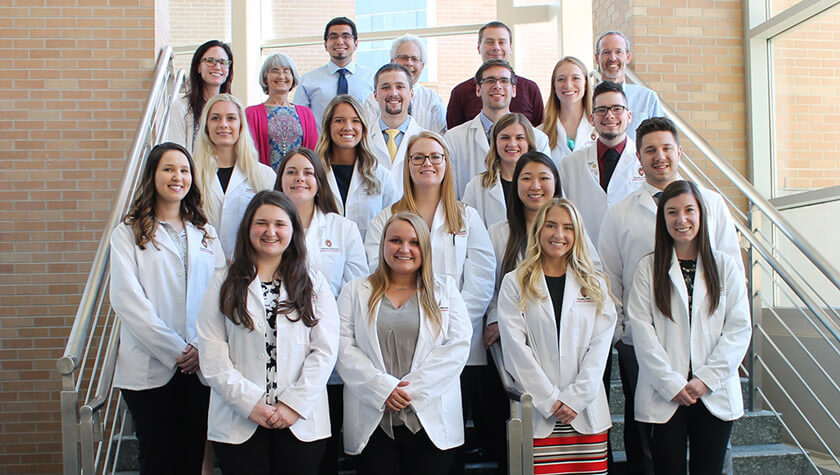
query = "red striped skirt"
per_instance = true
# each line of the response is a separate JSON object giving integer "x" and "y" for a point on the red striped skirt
{"x": 569, "y": 451}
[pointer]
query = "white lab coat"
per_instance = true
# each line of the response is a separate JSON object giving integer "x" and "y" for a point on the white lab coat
{"x": 469, "y": 146}
{"x": 334, "y": 247}
{"x": 713, "y": 345}
{"x": 467, "y": 257}
{"x": 156, "y": 304}
{"x": 434, "y": 378}
{"x": 426, "y": 107}
{"x": 584, "y": 137}
{"x": 229, "y": 206}
{"x": 556, "y": 366}
{"x": 581, "y": 183}
{"x": 181, "y": 124}
{"x": 489, "y": 202}
{"x": 628, "y": 234}
{"x": 233, "y": 359}
{"x": 362, "y": 207}
{"x": 380, "y": 149}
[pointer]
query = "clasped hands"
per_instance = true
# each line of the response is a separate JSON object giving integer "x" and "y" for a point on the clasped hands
{"x": 563, "y": 413}
{"x": 691, "y": 392}
{"x": 399, "y": 398}
{"x": 278, "y": 416}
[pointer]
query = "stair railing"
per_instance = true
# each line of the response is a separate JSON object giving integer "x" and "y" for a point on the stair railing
{"x": 91, "y": 413}
{"x": 520, "y": 426}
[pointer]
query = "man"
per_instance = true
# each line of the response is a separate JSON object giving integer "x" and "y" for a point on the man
{"x": 340, "y": 76}
{"x": 606, "y": 171}
{"x": 390, "y": 134}
{"x": 494, "y": 42}
{"x": 426, "y": 107}
{"x": 612, "y": 55}
{"x": 627, "y": 235}
{"x": 496, "y": 87}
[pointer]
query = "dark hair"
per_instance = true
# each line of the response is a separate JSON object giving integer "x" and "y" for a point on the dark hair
{"x": 389, "y": 68}
{"x": 479, "y": 75}
{"x": 341, "y": 20}
{"x": 664, "y": 249}
{"x": 324, "y": 198}
{"x": 195, "y": 93}
{"x": 655, "y": 124}
{"x": 494, "y": 24}
{"x": 142, "y": 217}
{"x": 293, "y": 270}
{"x": 518, "y": 238}
{"x": 608, "y": 86}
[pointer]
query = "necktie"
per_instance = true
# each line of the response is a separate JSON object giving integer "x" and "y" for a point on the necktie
{"x": 656, "y": 197}
{"x": 342, "y": 81}
{"x": 610, "y": 160}
{"x": 392, "y": 142}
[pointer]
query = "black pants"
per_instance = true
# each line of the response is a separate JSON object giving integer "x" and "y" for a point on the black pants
{"x": 269, "y": 452}
{"x": 171, "y": 424}
{"x": 636, "y": 436}
{"x": 329, "y": 463}
{"x": 706, "y": 436}
{"x": 405, "y": 454}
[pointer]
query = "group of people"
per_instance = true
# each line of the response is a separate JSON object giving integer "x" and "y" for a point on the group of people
{"x": 329, "y": 271}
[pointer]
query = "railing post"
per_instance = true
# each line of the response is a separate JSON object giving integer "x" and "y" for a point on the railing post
{"x": 69, "y": 426}
{"x": 514, "y": 437}
{"x": 527, "y": 402}
{"x": 754, "y": 280}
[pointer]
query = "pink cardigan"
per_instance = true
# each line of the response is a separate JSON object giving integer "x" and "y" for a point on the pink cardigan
{"x": 258, "y": 124}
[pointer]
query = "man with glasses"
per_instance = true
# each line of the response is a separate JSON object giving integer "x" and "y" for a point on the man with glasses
{"x": 495, "y": 87}
{"x": 612, "y": 55}
{"x": 340, "y": 76}
{"x": 426, "y": 106}
{"x": 494, "y": 42}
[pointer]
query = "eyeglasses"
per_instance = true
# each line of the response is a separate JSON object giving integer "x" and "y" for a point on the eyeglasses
{"x": 418, "y": 159}
{"x": 214, "y": 61}
{"x": 501, "y": 81}
{"x": 601, "y": 111}
{"x": 343, "y": 36}
{"x": 407, "y": 58}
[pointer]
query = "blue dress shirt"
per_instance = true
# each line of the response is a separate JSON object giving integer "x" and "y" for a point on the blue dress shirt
{"x": 319, "y": 86}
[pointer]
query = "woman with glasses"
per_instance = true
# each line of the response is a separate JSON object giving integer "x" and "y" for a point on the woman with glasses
{"x": 567, "y": 111}
{"x": 277, "y": 125}
{"x": 211, "y": 73}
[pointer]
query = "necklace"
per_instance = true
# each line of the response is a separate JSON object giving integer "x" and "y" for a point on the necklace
{"x": 403, "y": 288}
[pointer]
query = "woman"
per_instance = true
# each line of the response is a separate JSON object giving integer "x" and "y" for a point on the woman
{"x": 268, "y": 339}
{"x": 690, "y": 320}
{"x": 361, "y": 187}
{"x": 490, "y": 191}
{"x": 162, "y": 256}
{"x": 211, "y": 73}
{"x": 556, "y": 321}
{"x": 404, "y": 341}
{"x": 568, "y": 109}
{"x": 277, "y": 125}
{"x": 229, "y": 171}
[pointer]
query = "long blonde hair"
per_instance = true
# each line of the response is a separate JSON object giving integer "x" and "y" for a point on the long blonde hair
{"x": 552, "y": 106}
{"x": 493, "y": 162}
{"x": 380, "y": 279}
{"x": 530, "y": 271}
{"x": 453, "y": 209}
{"x": 366, "y": 161}
{"x": 247, "y": 158}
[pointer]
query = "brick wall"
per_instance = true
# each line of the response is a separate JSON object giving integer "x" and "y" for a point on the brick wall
{"x": 73, "y": 80}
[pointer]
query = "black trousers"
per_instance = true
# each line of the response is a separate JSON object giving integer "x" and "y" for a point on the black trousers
{"x": 636, "y": 436}
{"x": 329, "y": 463}
{"x": 270, "y": 452}
{"x": 405, "y": 454}
{"x": 705, "y": 434}
{"x": 171, "y": 424}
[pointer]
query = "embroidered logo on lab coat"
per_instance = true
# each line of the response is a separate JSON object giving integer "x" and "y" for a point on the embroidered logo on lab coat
{"x": 328, "y": 246}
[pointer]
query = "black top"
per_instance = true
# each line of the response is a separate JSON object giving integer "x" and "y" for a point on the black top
{"x": 343, "y": 174}
{"x": 556, "y": 287}
{"x": 688, "y": 268}
{"x": 507, "y": 188}
{"x": 224, "y": 174}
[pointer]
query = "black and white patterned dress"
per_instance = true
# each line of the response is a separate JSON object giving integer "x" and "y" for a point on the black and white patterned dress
{"x": 271, "y": 294}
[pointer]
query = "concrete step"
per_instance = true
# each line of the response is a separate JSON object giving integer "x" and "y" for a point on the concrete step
{"x": 770, "y": 459}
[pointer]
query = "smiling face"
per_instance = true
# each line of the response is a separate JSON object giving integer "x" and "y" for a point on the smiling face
{"x": 280, "y": 81}
{"x": 216, "y": 74}
{"x": 496, "y": 89}
{"x": 612, "y": 58}
{"x": 535, "y": 185}
{"x": 173, "y": 177}
{"x": 557, "y": 236}
{"x": 223, "y": 123}
{"x": 569, "y": 83}
{"x": 401, "y": 248}
{"x": 298, "y": 180}
{"x": 340, "y": 44}
{"x": 393, "y": 92}
{"x": 427, "y": 175}
{"x": 494, "y": 44}
{"x": 511, "y": 143}
{"x": 611, "y": 125}
{"x": 345, "y": 126}
{"x": 682, "y": 219}
{"x": 410, "y": 56}
{"x": 659, "y": 156}
{"x": 270, "y": 232}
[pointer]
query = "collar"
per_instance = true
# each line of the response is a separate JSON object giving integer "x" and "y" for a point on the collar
{"x": 654, "y": 190}
{"x": 333, "y": 68}
{"x": 602, "y": 149}
{"x": 486, "y": 123}
{"x": 402, "y": 127}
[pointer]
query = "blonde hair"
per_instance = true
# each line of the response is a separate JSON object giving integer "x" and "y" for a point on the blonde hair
{"x": 530, "y": 271}
{"x": 493, "y": 162}
{"x": 245, "y": 154}
{"x": 453, "y": 209}
{"x": 380, "y": 279}
{"x": 365, "y": 159}
{"x": 552, "y": 106}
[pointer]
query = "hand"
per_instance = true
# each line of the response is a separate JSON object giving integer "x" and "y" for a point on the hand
{"x": 563, "y": 413}
{"x": 399, "y": 399}
{"x": 286, "y": 416}
{"x": 263, "y": 414}
{"x": 188, "y": 361}
{"x": 696, "y": 388}
{"x": 683, "y": 398}
{"x": 491, "y": 334}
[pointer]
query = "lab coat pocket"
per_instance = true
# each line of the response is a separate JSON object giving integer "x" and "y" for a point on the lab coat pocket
{"x": 713, "y": 325}
{"x": 460, "y": 241}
